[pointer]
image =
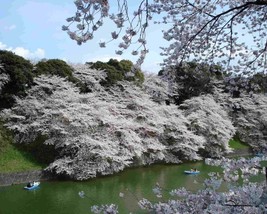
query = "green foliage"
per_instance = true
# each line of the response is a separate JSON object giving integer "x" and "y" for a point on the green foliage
{"x": 194, "y": 79}
{"x": 115, "y": 64}
{"x": 21, "y": 77}
{"x": 60, "y": 68}
{"x": 112, "y": 74}
{"x": 54, "y": 67}
{"x": 117, "y": 71}
{"x": 139, "y": 77}
{"x": 258, "y": 83}
{"x": 126, "y": 65}
{"x": 160, "y": 73}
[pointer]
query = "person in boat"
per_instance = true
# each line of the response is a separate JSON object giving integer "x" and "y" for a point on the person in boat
{"x": 30, "y": 184}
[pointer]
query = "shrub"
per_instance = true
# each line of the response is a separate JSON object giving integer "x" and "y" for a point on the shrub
{"x": 54, "y": 67}
{"x": 20, "y": 75}
{"x": 126, "y": 65}
{"x": 60, "y": 68}
{"x": 258, "y": 83}
{"x": 194, "y": 79}
{"x": 139, "y": 77}
{"x": 117, "y": 71}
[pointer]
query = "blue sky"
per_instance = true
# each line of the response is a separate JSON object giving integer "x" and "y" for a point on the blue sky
{"x": 32, "y": 29}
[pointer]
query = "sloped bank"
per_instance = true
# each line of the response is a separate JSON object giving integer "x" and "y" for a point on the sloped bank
{"x": 7, "y": 179}
{"x": 240, "y": 153}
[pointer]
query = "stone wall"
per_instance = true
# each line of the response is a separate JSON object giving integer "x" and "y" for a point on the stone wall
{"x": 240, "y": 153}
{"x": 23, "y": 177}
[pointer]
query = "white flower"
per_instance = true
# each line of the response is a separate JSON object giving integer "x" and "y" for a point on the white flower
{"x": 82, "y": 194}
{"x": 80, "y": 26}
{"x": 114, "y": 35}
{"x": 119, "y": 52}
{"x": 70, "y": 19}
{"x": 134, "y": 53}
{"x": 90, "y": 17}
{"x": 102, "y": 44}
{"x": 64, "y": 28}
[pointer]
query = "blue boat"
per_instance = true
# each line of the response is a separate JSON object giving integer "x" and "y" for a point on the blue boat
{"x": 32, "y": 186}
{"x": 259, "y": 154}
{"x": 191, "y": 172}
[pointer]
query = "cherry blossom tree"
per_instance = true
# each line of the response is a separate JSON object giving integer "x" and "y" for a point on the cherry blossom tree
{"x": 230, "y": 32}
{"x": 108, "y": 129}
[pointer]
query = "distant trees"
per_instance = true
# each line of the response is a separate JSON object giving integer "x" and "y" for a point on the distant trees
{"x": 239, "y": 84}
{"x": 104, "y": 131}
{"x": 118, "y": 71}
{"x": 59, "y": 68}
{"x": 16, "y": 74}
{"x": 54, "y": 67}
{"x": 192, "y": 79}
{"x": 16, "y": 77}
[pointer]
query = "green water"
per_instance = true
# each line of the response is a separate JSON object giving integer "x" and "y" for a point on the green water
{"x": 62, "y": 197}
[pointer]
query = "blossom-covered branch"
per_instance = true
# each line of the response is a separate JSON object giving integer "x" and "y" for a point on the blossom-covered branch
{"x": 230, "y": 32}
{"x": 90, "y": 17}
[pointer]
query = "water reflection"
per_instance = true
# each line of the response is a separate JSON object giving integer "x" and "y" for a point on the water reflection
{"x": 62, "y": 197}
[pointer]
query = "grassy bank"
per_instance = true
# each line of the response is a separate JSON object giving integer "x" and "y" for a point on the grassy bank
{"x": 237, "y": 144}
{"x": 13, "y": 159}
{"x": 36, "y": 156}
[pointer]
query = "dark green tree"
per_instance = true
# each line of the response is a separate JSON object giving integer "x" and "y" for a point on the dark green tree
{"x": 54, "y": 67}
{"x": 193, "y": 79}
{"x": 60, "y": 68}
{"x": 20, "y": 73}
{"x": 117, "y": 71}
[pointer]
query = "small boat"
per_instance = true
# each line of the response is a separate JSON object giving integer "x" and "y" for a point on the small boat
{"x": 32, "y": 186}
{"x": 191, "y": 172}
{"x": 259, "y": 154}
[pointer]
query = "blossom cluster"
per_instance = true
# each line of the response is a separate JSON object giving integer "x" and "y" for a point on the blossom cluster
{"x": 105, "y": 131}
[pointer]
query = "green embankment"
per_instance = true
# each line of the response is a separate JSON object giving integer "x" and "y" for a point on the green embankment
{"x": 237, "y": 144}
{"x": 13, "y": 159}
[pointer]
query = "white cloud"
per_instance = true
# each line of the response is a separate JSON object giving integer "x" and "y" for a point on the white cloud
{"x": 3, "y": 46}
{"x": 104, "y": 58}
{"x": 11, "y": 27}
{"x": 25, "y": 53}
